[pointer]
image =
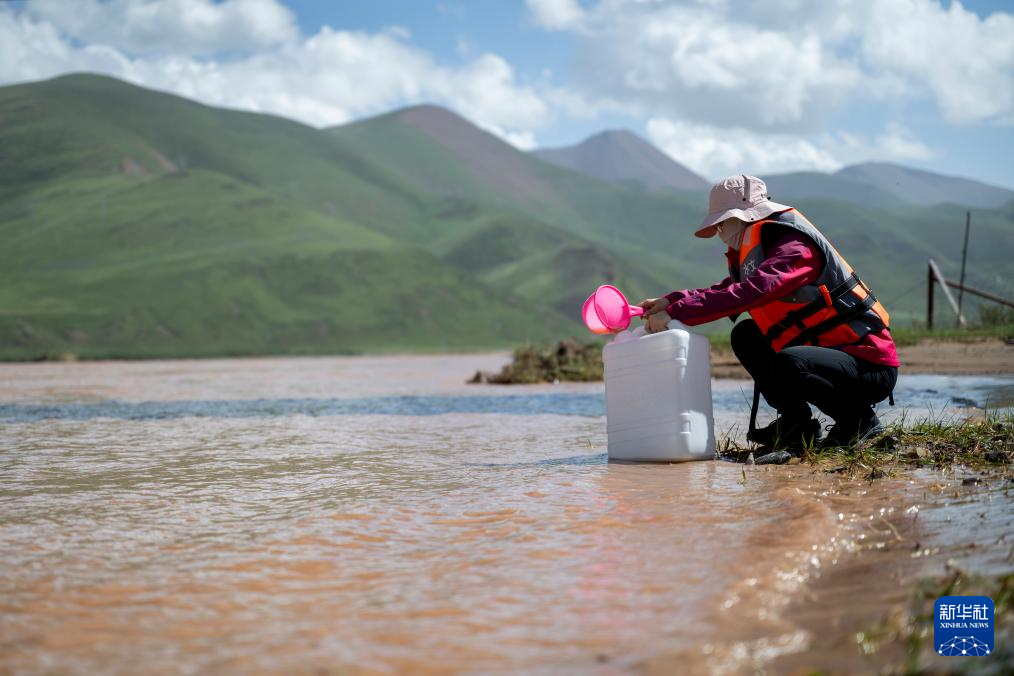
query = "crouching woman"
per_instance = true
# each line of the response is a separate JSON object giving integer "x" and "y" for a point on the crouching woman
{"x": 816, "y": 334}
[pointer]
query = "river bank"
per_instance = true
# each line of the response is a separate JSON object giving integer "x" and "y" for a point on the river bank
{"x": 862, "y": 602}
{"x": 987, "y": 356}
{"x": 575, "y": 361}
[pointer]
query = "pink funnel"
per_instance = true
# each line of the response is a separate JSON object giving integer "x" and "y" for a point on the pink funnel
{"x": 607, "y": 311}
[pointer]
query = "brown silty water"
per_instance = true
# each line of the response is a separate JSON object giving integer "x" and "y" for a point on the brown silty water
{"x": 207, "y": 522}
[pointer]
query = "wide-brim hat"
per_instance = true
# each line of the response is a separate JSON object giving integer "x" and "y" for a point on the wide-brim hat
{"x": 741, "y": 196}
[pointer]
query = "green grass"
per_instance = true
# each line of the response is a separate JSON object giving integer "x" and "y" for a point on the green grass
{"x": 912, "y": 335}
{"x": 88, "y": 125}
{"x": 562, "y": 361}
{"x": 904, "y": 336}
{"x": 985, "y": 443}
{"x": 201, "y": 265}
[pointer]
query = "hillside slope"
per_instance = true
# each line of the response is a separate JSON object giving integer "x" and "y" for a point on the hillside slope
{"x": 112, "y": 248}
{"x": 434, "y": 149}
{"x": 89, "y": 125}
{"x": 202, "y": 264}
{"x": 649, "y": 234}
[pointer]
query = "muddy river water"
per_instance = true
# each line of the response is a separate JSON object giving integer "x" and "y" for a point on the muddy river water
{"x": 376, "y": 514}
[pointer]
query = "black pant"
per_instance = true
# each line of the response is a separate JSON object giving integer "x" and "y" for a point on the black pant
{"x": 837, "y": 383}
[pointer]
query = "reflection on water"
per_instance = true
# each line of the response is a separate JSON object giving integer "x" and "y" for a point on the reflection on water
{"x": 416, "y": 530}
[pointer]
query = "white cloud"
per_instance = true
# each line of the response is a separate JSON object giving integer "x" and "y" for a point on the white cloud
{"x": 523, "y": 140}
{"x": 785, "y": 65}
{"x": 556, "y": 14}
{"x": 325, "y": 79}
{"x": 704, "y": 64}
{"x": 715, "y": 152}
{"x": 899, "y": 143}
{"x": 727, "y": 85}
{"x": 721, "y": 151}
{"x": 176, "y": 26}
{"x": 966, "y": 64}
{"x": 485, "y": 91}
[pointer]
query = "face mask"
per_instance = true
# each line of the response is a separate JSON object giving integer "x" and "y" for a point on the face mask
{"x": 730, "y": 230}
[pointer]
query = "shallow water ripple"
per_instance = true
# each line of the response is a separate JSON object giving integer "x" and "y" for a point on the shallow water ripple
{"x": 431, "y": 536}
{"x": 364, "y": 540}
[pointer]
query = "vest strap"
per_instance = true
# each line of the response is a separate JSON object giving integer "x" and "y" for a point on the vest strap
{"x": 810, "y": 334}
{"x": 796, "y": 317}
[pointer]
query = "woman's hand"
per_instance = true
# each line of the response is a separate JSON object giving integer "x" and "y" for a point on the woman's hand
{"x": 658, "y": 322}
{"x": 654, "y": 305}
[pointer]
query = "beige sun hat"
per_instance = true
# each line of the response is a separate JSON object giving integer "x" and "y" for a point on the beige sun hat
{"x": 741, "y": 196}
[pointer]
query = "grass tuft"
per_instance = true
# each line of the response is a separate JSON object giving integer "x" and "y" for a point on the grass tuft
{"x": 563, "y": 361}
{"x": 981, "y": 443}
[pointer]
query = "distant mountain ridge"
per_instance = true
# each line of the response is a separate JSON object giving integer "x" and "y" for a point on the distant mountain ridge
{"x": 886, "y": 184}
{"x": 917, "y": 186}
{"x": 813, "y": 184}
{"x": 621, "y": 155}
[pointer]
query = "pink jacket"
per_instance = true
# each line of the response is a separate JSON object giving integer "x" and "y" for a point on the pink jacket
{"x": 792, "y": 261}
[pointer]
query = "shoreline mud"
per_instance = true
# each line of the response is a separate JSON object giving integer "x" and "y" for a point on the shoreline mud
{"x": 927, "y": 512}
{"x": 573, "y": 361}
{"x": 980, "y": 358}
{"x": 852, "y": 606}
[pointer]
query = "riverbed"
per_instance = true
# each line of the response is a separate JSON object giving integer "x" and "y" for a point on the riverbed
{"x": 377, "y": 514}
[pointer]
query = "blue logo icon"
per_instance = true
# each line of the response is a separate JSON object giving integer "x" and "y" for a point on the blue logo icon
{"x": 963, "y": 626}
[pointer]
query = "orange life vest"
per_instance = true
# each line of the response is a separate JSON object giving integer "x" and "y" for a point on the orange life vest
{"x": 835, "y": 310}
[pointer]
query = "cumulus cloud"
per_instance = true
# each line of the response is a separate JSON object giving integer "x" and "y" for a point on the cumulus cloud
{"x": 784, "y": 66}
{"x": 179, "y": 26}
{"x": 964, "y": 63}
{"x": 324, "y": 79}
{"x": 556, "y": 14}
{"x": 723, "y": 83}
{"x": 720, "y": 151}
{"x": 899, "y": 143}
{"x": 699, "y": 65}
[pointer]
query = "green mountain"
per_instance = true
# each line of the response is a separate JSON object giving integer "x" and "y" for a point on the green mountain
{"x": 648, "y": 233}
{"x": 140, "y": 224}
{"x": 437, "y": 151}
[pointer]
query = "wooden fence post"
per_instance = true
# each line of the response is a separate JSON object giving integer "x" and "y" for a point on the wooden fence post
{"x": 936, "y": 274}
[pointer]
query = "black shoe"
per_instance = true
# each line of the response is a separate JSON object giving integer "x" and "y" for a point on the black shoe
{"x": 848, "y": 433}
{"x": 786, "y": 434}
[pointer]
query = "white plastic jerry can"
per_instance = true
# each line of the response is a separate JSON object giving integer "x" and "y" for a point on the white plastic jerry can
{"x": 658, "y": 396}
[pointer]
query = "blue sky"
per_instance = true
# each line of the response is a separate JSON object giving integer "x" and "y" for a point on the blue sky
{"x": 723, "y": 86}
